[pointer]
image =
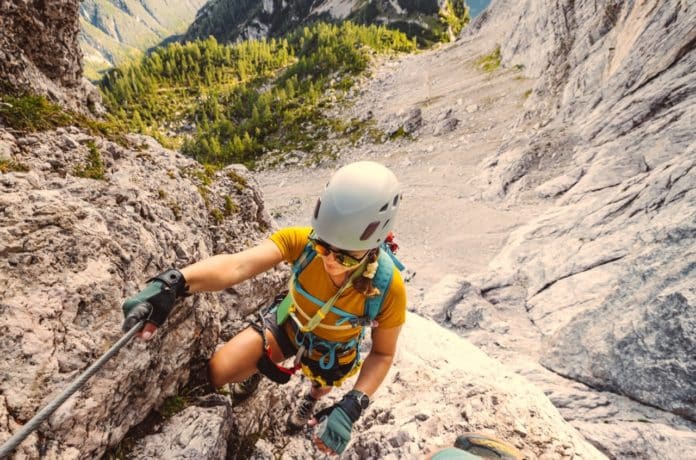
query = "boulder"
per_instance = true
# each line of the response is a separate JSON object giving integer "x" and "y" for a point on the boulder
{"x": 195, "y": 433}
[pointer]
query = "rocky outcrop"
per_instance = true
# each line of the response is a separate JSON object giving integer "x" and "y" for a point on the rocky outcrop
{"x": 39, "y": 53}
{"x": 615, "y": 92}
{"x": 74, "y": 247}
{"x": 195, "y": 433}
{"x": 462, "y": 391}
{"x": 603, "y": 283}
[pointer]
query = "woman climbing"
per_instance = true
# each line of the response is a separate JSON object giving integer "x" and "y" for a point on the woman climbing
{"x": 343, "y": 279}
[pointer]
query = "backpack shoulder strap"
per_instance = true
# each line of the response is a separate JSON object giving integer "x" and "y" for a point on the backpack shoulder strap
{"x": 382, "y": 281}
{"x": 305, "y": 258}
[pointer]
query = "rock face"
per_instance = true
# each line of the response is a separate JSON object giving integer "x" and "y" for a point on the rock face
{"x": 73, "y": 248}
{"x": 613, "y": 100}
{"x": 605, "y": 281}
{"x": 195, "y": 433}
{"x": 464, "y": 391}
{"x": 232, "y": 20}
{"x": 39, "y": 52}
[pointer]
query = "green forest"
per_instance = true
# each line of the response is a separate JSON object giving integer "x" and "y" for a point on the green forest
{"x": 234, "y": 103}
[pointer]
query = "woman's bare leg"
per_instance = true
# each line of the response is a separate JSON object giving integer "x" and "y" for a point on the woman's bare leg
{"x": 237, "y": 359}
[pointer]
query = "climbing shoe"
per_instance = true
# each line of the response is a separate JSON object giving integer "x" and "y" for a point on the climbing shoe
{"x": 242, "y": 390}
{"x": 302, "y": 413}
{"x": 486, "y": 447}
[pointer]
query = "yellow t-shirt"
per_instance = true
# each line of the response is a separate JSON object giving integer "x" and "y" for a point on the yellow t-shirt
{"x": 291, "y": 241}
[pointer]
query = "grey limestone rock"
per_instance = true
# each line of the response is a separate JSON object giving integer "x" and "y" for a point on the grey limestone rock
{"x": 646, "y": 352}
{"x": 442, "y": 297}
{"x": 608, "y": 270}
{"x": 405, "y": 123}
{"x": 195, "y": 433}
{"x": 558, "y": 185}
{"x": 446, "y": 126}
{"x": 39, "y": 53}
{"x": 625, "y": 103}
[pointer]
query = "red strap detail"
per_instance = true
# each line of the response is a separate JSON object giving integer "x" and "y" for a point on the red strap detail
{"x": 389, "y": 240}
{"x": 285, "y": 370}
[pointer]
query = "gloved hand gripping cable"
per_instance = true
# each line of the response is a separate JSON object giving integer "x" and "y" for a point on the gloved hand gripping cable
{"x": 156, "y": 300}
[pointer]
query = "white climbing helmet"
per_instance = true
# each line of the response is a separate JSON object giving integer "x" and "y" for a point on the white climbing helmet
{"x": 357, "y": 209}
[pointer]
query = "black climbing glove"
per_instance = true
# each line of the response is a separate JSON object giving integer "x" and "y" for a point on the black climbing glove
{"x": 336, "y": 422}
{"x": 156, "y": 300}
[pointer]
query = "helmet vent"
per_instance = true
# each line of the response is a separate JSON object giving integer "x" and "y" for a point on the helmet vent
{"x": 369, "y": 230}
{"x": 316, "y": 209}
{"x": 384, "y": 208}
{"x": 385, "y": 223}
{"x": 396, "y": 199}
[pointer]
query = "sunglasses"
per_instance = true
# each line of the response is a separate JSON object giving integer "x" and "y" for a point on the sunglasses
{"x": 324, "y": 249}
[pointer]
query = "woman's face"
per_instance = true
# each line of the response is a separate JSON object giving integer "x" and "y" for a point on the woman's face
{"x": 334, "y": 268}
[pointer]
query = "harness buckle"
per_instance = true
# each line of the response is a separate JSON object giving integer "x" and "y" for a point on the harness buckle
{"x": 298, "y": 356}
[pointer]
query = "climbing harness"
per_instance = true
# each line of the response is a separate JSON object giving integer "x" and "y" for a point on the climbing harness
{"x": 266, "y": 365}
{"x": 44, "y": 413}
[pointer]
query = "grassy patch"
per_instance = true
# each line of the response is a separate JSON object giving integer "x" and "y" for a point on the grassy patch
{"x": 230, "y": 206}
{"x": 33, "y": 113}
{"x": 204, "y": 192}
{"x": 93, "y": 168}
{"x": 204, "y": 174}
{"x": 7, "y": 165}
{"x": 400, "y": 134}
{"x": 358, "y": 129}
{"x": 240, "y": 183}
{"x": 489, "y": 62}
{"x": 173, "y": 405}
{"x": 217, "y": 215}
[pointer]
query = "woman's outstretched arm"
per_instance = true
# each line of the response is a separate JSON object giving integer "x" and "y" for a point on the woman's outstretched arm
{"x": 224, "y": 270}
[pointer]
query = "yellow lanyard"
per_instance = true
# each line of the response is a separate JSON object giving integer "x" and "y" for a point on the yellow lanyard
{"x": 322, "y": 312}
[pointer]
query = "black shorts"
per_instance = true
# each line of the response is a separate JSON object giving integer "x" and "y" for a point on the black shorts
{"x": 331, "y": 375}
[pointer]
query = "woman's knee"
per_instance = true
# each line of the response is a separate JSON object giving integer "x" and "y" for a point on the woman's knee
{"x": 236, "y": 360}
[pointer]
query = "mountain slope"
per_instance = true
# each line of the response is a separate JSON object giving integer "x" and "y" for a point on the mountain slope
{"x": 116, "y": 30}
{"x": 232, "y": 20}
